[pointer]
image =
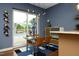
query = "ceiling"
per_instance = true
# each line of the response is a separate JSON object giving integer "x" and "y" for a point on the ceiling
{"x": 44, "y": 5}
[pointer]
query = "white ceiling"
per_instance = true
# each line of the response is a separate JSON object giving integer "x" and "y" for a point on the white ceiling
{"x": 44, "y": 5}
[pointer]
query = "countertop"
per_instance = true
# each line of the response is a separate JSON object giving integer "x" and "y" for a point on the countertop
{"x": 65, "y": 32}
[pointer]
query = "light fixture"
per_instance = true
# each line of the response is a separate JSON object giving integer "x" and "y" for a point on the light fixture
{"x": 44, "y": 13}
{"x": 28, "y": 10}
{"x": 38, "y": 14}
{"x": 48, "y": 20}
{"x": 33, "y": 11}
{"x": 78, "y": 6}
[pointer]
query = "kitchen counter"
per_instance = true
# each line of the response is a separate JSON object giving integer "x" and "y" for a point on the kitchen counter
{"x": 68, "y": 42}
{"x": 65, "y": 32}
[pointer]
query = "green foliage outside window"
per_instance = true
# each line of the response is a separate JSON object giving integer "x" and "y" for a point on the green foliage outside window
{"x": 18, "y": 26}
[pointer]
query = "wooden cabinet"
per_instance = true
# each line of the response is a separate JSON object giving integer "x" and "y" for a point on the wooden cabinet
{"x": 54, "y": 39}
{"x": 47, "y": 31}
{"x": 68, "y": 43}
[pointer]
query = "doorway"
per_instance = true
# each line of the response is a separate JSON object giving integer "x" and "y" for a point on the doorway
{"x": 24, "y": 24}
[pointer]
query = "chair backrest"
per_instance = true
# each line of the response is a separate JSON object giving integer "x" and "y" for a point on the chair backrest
{"x": 42, "y": 40}
{"x": 39, "y": 41}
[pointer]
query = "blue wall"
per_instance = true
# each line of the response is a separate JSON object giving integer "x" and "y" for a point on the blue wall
{"x": 6, "y": 42}
{"x": 63, "y": 15}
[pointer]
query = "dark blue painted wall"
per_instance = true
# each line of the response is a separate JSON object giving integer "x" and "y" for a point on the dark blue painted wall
{"x": 63, "y": 15}
{"x": 6, "y": 42}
